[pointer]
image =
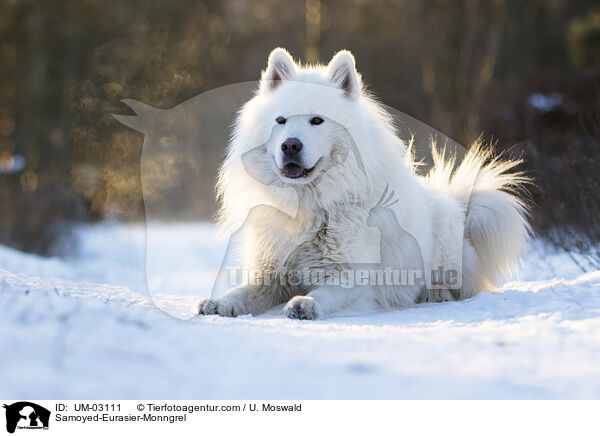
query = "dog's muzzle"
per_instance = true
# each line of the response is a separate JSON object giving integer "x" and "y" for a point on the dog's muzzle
{"x": 293, "y": 167}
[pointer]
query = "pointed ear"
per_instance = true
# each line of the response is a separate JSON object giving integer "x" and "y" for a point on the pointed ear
{"x": 143, "y": 118}
{"x": 342, "y": 73}
{"x": 280, "y": 67}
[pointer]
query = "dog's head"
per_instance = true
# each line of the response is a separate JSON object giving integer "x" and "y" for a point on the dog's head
{"x": 302, "y": 117}
{"x": 305, "y": 108}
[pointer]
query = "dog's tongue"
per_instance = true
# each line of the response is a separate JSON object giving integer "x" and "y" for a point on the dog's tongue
{"x": 292, "y": 170}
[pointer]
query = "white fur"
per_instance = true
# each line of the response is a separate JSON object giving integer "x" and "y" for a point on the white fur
{"x": 470, "y": 218}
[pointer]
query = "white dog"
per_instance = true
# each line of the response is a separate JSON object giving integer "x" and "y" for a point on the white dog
{"x": 313, "y": 136}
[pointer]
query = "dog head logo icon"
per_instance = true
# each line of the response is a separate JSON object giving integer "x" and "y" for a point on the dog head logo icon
{"x": 26, "y": 415}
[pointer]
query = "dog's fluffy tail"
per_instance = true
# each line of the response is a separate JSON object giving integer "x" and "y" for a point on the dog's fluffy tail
{"x": 493, "y": 194}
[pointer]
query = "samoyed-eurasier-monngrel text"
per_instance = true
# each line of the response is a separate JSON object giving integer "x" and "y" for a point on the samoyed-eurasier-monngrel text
{"x": 313, "y": 133}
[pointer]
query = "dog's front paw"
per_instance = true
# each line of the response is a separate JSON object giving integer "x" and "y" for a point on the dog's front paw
{"x": 224, "y": 307}
{"x": 206, "y": 307}
{"x": 301, "y": 307}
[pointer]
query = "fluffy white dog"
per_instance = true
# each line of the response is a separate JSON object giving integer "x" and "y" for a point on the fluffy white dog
{"x": 313, "y": 137}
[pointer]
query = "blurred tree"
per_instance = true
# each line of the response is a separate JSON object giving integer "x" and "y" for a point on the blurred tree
{"x": 313, "y": 30}
{"x": 584, "y": 39}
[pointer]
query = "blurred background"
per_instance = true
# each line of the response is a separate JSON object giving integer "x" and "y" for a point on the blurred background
{"x": 522, "y": 75}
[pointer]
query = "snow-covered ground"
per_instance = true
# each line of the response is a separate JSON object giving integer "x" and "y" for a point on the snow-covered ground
{"x": 85, "y": 327}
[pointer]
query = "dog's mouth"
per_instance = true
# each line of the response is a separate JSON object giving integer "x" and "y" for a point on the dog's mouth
{"x": 295, "y": 171}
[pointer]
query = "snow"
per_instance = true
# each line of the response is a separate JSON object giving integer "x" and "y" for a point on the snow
{"x": 85, "y": 327}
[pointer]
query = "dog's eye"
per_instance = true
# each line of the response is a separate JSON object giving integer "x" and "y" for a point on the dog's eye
{"x": 280, "y": 120}
{"x": 315, "y": 121}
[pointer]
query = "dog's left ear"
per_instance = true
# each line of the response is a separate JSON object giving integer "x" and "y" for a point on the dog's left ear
{"x": 280, "y": 67}
{"x": 342, "y": 73}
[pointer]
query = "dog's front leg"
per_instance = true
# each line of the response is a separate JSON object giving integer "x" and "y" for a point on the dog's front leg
{"x": 323, "y": 301}
{"x": 241, "y": 300}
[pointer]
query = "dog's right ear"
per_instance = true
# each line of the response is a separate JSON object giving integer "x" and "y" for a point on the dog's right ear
{"x": 280, "y": 67}
{"x": 342, "y": 73}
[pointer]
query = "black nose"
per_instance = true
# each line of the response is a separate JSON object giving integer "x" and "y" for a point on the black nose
{"x": 291, "y": 146}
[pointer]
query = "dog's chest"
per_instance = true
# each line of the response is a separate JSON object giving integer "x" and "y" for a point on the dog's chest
{"x": 313, "y": 241}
